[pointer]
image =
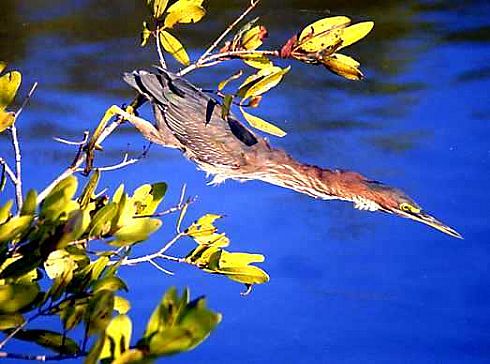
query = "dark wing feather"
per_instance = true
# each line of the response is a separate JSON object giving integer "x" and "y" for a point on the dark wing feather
{"x": 194, "y": 118}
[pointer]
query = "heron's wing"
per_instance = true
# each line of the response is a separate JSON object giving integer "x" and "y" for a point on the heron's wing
{"x": 194, "y": 118}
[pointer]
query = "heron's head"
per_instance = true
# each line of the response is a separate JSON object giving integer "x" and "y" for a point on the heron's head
{"x": 393, "y": 201}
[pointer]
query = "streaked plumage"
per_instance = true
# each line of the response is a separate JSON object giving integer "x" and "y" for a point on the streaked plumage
{"x": 190, "y": 120}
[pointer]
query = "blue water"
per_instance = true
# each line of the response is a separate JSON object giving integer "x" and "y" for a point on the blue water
{"x": 346, "y": 286}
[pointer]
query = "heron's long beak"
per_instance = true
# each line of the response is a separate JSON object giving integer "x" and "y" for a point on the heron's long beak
{"x": 427, "y": 219}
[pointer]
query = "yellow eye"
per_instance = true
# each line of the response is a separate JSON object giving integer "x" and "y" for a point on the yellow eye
{"x": 409, "y": 208}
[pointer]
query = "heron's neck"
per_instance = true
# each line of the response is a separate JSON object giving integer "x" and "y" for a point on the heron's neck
{"x": 285, "y": 171}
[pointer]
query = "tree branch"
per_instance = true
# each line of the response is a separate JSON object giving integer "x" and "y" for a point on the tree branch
{"x": 6, "y": 355}
{"x": 221, "y": 57}
{"x": 253, "y": 4}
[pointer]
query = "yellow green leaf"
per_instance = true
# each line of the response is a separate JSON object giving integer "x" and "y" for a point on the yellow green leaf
{"x": 228, "y": 259}
{"x": 121, "y": 305}
{"x": 14, "y": 227}
{"x": 248, "y": 274}
{"x": 9, "y": 84}
{"x": 131, "y": 356}
{"x": 58, "y": 262}
{"x": 233, "y": 77}
{"x": 102, "y": 221}
{"x": 58, "y": 201}
{"x": 145, "y": 35}
{"x": 30, "y": 203}
{"x": 147, "y": 197}
{"x": 14, "y": 297}
{"x": 174, "y": 47}
{"x": 266, "y": 83}
{"x": 159, "y": 7}
{"x": 138, "y": 230}
{"x": 5, "y": 211}
{"x": 184, "y": 12}
{"x": 355, "y": 33}
{"x": 11, "y": 321}
{"x": 323, "y": 33}
{"x": 6, "y": 120}
{"x": 89, "y": 189}
{"x": 252, "y": 39}
{"x": 49, "y": 339}
{"x": 263, "y": 125}
{"x": 344, "y": 66}
{"x": 257, "y": 61}
{"x": 2, "y": 66}
{"x": 118, "y": 336}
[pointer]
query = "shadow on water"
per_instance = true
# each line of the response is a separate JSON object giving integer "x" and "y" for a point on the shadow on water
{"x": 347, "y": 286}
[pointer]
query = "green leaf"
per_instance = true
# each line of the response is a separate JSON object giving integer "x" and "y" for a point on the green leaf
{"x": 59, "y": 200}
{"x": 95, "y": 350}
{"x": 89, "y": 189}
{"x": 247, "y": 274}
{"x": 205, "y": 233}
{"x": 51, "y": 340}
{"x": 72, "y": 312}
{"x": 5, "y": 211}
{"x": 99, "y": 311}
{"x": 194, "y": 326}
{"x": 7, "y": 119}
{"x": 344, "y": 66}
{"x": 145, "y": 34}
{"x": 14, "y": 297}
{"x": 118, "y": 337}
{"x": 225, "y": 107}
{"x": 11, "y": 321}
{"x": 3, "y": 65}
{"x": 147, "y": 198}
{"x": 258, "y": 61}
{"x": 263, "y": 125}
{"x": 14, "y": 228}
{"x": 131, "y": 356}
{"x": 97, "y": 267}
{"x": 138, "y": 230}
{"x": 252, "y": 39}
{"x": 356, "y": 32}
{"x": 76, "y": 225}
{"x": 266, "y": 83}
{"x": 30, "y": 203}
{"x": 121, "y": 305}
{"x": 102, "y": 221}
{"x": 17, "y": 267}
{"x": 173, "y": 46}
{"x": 159, "y": 7}
{"x": 184, "y": 12}
{"x": 9, "y": 84}
{"x": 59, "y": 262}
{"x": 228, "y": 259}
{"x": 323, "y": 33}
{"x": 111, "y": 283}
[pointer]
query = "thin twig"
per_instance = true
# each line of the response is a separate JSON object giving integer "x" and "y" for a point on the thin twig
{"x": 160, "y": 268}
{"x": 208, "y": 51}
{"x": 221, "y": 57}
{"x": 159, "y": 49}
{"x": 124, "y": 163}
{"x": 9, "y": 171}
{"x": 79, "y": 160}
{"x": 26, "y": 100}
{"x": 18, "y": 166}
{"x": 6, "y": 355}
{"x": 70, "y": 142}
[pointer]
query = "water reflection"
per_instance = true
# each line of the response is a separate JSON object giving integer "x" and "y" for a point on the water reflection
{"x": 346, "y": 286}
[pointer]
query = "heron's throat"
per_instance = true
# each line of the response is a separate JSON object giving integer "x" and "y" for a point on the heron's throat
{"x": 318, "y": 182}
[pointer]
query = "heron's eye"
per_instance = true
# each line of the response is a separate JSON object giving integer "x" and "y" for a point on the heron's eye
{"x": 409, "y": 208}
